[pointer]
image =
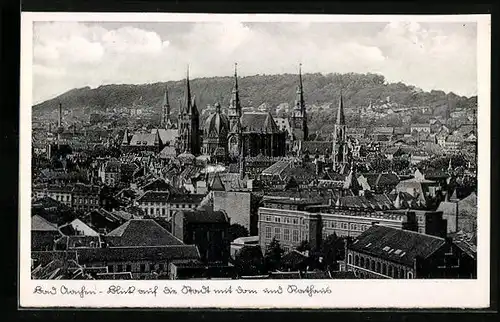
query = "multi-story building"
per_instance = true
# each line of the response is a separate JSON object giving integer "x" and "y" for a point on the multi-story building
{"x": 385, "y": 252}
{"x": 79, "y": 196}
{"x": 289, "y": 222}
{"x": 60, "y": 193}
{"x": 154, "y": 203}
{"x": 208, "y": 230}
{"x": 352, "y": 223}
{"x": 86, "y": 197}
{"x": 180, "y": 202}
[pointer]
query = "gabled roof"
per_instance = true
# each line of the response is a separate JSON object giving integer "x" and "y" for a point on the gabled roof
{"x": 154, "y": 196}
{"x": 396, "y": 245}
{"x": 166, "y": 135}
{"x": 144, "y": 139}
{"x": 39, "y": 223}
{"x": 258, "y": 122}
{"x": 141, "y": 232}
{"x": 319, "y": 147}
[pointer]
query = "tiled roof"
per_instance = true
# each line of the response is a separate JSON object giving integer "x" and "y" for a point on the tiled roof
{"x": 154, "y": 196}
{"x": 168, "y": 152}
{"x": 190, "y": 198}
{"x": 258, "y": 122}
{"x": 143, "y": 253}
{"x": 319, "y": 147}
{"x": 166, "y": 135}
{"x": 41, "y": 224}
{"x": 205, "y": 216}
{"x": 144, "y": 139}
{"x": 396, "y": 245}
{"x": 141, "y": 232}
{"x": 277, "y": 168}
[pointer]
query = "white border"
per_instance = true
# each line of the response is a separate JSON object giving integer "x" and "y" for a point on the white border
{"x": 345, "y": 293}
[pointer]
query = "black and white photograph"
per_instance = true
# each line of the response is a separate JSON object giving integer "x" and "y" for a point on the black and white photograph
{"x": 249, "y": 150}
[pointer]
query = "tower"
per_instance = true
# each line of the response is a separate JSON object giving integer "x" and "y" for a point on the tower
{"x": 299, "y": 116}
{"x": 234, "y": 111}
{"x": 165, "y": 116}
{"x": 189, "y": 122}
{"x": 340, "y": 147}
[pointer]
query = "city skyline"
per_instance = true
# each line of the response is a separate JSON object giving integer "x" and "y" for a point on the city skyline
{"x": 73, "y": 54}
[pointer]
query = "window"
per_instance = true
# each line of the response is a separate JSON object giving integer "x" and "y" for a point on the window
{"x": 143, "y": 268}
{"x": 356, "y": 260}
{"x": 110, "y": 268}
{"x": 384, "y": 269}
{"x": 119, "y": 268}
{"x": 277, "y": 219}
{"x": 377, "y": 269}
{"x": 129, "y": 268}
{"x": 277, "y": 233}
{"x": 67, "y": 198}
{"x": 268, "y": 232}
{"x": 391, "y": 271}
{"x": 286, "y": 234}
{"x": 410, "y": 275}
{"x": 362, "y": 262}
{"x": 349, "y": 259}
{"x": 163, "y": 211}
{"x": 372, "y": 265}
{"x": 295, "y": 236}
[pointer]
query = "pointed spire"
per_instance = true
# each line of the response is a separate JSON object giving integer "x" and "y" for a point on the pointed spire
{"x": 450, "y": 168}
{"x": 236, "y": 76}
{"x": 340, "y": 111}
{"x": 187, "y": 94}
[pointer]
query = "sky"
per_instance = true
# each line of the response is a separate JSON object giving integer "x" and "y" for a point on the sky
{"x": 68, "y": 55}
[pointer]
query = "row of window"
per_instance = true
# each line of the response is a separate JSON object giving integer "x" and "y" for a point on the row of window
{"x": 286, "y": 234}
{"x": 164, "y": 204}
{"x": 379, "y": 267}
{"x": 143, "y": 268}
{"x": 344, "y": 225}
{"x": 281, "y": 219}
{"x": 154, "y": 211}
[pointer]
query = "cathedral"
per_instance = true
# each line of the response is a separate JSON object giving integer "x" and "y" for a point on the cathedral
{"x": 251, "y": 133}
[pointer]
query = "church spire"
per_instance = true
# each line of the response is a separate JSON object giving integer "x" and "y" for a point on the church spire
{"x": 340, "y": 111}
{"x": 187, "y": 94}
{"x": 234, "y": 111}
{"x": 165, "y": 121}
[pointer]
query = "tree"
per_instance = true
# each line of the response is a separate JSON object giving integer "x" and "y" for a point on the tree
{"x": 249, "y": 261}
{"x": 304, "y": 246}
{"x": 274, "y": 252}
{"x": 237, "y": 231}
{"x": 332, "y": 250}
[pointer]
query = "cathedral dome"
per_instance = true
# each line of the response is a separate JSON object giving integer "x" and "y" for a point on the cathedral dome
{"x": 217, "y": 124}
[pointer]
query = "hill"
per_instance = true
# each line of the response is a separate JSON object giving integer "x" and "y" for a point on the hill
{"x": 358, "y": 91}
